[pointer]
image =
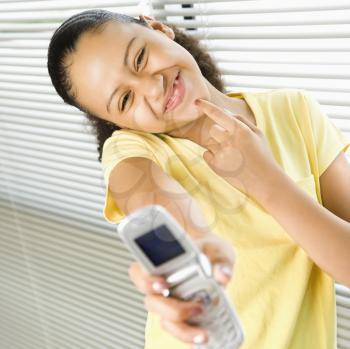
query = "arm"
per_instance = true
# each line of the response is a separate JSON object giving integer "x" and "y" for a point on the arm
{"x": 325, "y": 236}
{"x": 137, "y": 181}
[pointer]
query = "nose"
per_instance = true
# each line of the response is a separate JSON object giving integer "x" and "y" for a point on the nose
{"x": 150, "y": 87}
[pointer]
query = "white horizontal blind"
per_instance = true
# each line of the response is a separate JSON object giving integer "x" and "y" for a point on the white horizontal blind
{"x": 63, "y": 270}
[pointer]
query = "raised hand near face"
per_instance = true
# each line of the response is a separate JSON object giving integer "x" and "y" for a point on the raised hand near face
{"x": 238, "y": 151}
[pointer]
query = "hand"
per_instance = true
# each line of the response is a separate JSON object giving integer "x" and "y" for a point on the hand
{"x": 239, "y": 152}
{"x": 175, "y": 312}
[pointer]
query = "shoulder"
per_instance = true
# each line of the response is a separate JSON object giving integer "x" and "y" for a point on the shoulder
{"x": 127, "y": 134}
{"x": 279, "y": 105}
{"x": 285, "y": 103}
{"x": 126, "y": 142}
{"x": 281, "y": 95}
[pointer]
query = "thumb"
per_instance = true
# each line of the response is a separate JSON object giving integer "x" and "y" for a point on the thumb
{"x": 221, "y": 256}
{"x": 222, "y": 272}
{"x": 207, "y": 156}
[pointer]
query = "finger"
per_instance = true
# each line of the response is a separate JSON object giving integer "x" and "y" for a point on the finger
{"x": 219, "y": 133}
{"x": 147, "y": 283}
{"x": 213, "y": 145}
{"x": 184, "y": 332}
{"x": 223, "y": 273}
{"x": 172, "y": 308}
{"x": 220, "y": 254}
{"x": 222, "y": 117}
{"x": 208, "y": 157}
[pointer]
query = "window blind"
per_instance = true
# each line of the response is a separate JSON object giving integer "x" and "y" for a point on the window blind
{"x": 63, "y": 269}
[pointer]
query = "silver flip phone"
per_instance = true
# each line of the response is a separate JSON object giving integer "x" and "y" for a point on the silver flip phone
{"x": 162, "y": 247}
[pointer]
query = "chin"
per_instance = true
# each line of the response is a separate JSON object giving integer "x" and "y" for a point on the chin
{"x": 180, "y": 121}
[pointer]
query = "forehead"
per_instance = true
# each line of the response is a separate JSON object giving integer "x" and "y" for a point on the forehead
{"x": 109, "y": 32}
{"x": 97, "y": 52}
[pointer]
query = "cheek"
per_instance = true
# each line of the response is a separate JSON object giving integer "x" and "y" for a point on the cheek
{"x": 167, "y": 53}
{"x": 146, "y": 121}
{"x": 140, "y": 119}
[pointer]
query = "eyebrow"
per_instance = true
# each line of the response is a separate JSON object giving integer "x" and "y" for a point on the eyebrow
{"x": 126, "y": 57}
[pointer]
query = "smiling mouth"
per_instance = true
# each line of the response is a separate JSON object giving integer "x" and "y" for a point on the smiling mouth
{"x": 177, "y": 93}
{"x": 168, "y": 95}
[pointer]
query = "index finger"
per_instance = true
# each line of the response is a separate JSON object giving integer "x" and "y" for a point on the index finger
{"x": 147, "y": 283}
{"x": 223, "y": 117}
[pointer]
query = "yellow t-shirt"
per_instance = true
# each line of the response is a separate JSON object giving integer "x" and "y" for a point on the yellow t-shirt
{"x": 284, "y": 300}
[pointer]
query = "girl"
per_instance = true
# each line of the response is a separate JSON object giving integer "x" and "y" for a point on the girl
{"x": 259, "y": 180}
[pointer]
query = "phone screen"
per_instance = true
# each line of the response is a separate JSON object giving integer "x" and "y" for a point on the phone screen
{"x": 159, "y": 245}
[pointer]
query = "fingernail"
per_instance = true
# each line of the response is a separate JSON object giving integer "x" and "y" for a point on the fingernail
{"x": 166, "y": 292}
{"x": 158, "y": 286}
{"x": 199, "y": 339}
{"x": 225, "y": 269}
{"x": 195, "y": 311}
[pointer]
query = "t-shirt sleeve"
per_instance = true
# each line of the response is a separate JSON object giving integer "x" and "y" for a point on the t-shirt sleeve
{"x": 328, "y": 139}
{"x": 121, "y": 145}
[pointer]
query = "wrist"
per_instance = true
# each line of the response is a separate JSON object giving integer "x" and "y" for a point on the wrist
{"x": 272, "y": 185}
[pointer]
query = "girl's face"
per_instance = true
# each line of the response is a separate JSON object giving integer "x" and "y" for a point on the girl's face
{"x": 133, "y": 95}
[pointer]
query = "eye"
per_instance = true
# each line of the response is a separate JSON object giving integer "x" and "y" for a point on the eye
{"x": 138, "y": 63}
{"x": 125, "y": 101}
{"x": 140, "y": 56}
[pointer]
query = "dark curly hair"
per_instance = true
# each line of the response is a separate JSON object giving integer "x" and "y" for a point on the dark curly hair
{"x": 63, "y": 42}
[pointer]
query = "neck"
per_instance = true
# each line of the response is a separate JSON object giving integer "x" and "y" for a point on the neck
{"x": 198, "y": 130}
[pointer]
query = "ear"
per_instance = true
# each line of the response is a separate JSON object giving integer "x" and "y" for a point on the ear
{"x": 157, "y": 25}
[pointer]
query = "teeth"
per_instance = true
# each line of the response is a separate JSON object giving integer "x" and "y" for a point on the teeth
{"x": 171, "y": 99}
{"x": 175, "y": 92}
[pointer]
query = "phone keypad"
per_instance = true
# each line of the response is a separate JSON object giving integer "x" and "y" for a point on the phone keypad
{"x": 220, "y": 326}
{"x": 217, "y": 316}
{"x": 203, "y": 296}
